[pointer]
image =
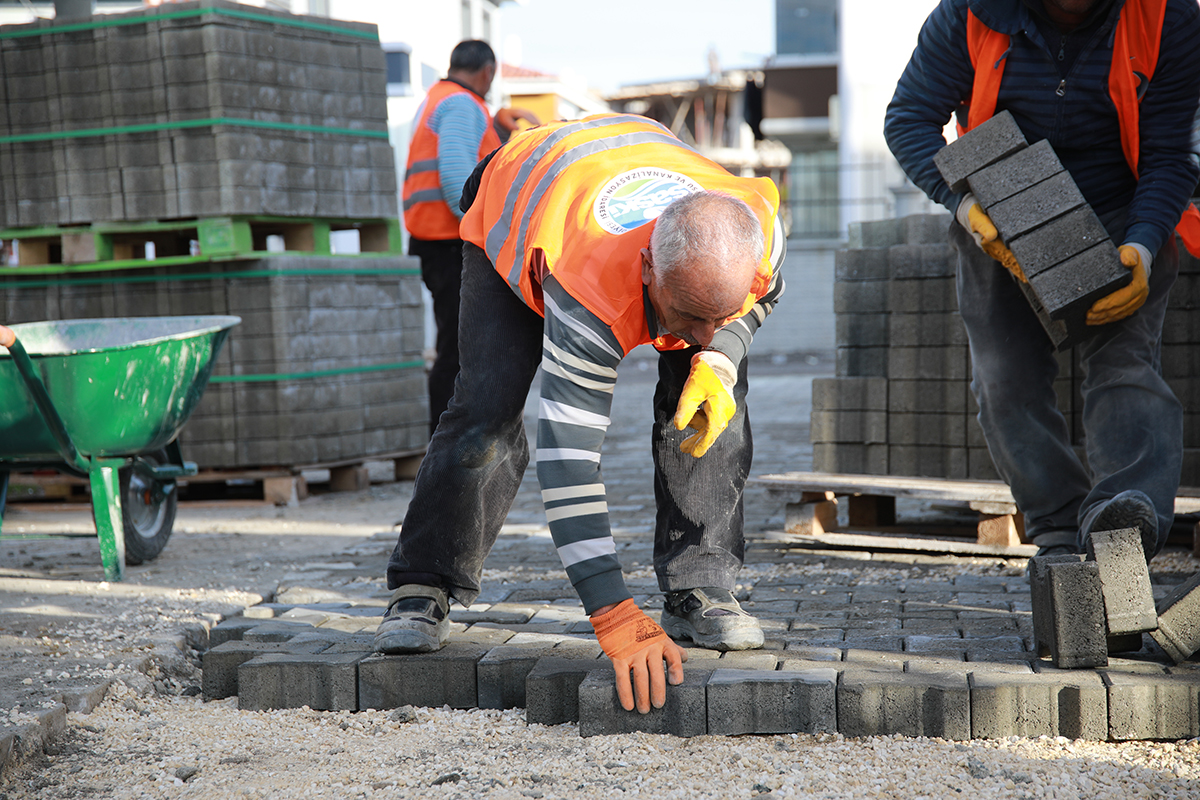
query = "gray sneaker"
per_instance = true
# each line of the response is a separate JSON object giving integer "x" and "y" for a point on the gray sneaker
{"x": 1129, "y": 509}
{"x": 711, "y": 618}
{"x": 417, "y": 621}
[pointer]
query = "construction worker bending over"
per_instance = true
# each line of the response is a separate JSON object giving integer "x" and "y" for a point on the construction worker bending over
{"x": 584, "y": 240}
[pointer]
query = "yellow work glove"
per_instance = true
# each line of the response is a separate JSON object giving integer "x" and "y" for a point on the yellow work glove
{"x": 706, "y": 403}
{"x": 972, "y": 217}
{"x": 636, "y": 644}
{"x": 1123, "y": 302}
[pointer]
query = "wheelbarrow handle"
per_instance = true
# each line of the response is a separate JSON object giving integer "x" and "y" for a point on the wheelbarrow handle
{"x": 37, "y": 390}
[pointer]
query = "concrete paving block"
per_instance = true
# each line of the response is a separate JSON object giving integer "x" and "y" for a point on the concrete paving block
{"x": 850, "y": 394}
{"x": 1124, "y": 581}
{"x": 220, "y": 664}
{"x": 860, "y": 297}
{"x": 861, "y": 264}
{"x": 926, "y": 228}
{"x": 757, "y": 660}
{"x": 795, "y": 701}
{"x": 927, "y": 396}
{"x": 871, "y": 702}
{"x": 275, "y": 631}
{"x": 861, "y": 362}
{"x": 1035, "y": 206}
{"x": 1068, "y": 611}
{"x": 1070, "y": 288}
{"x": 864, "y": 427}
{"x": 1082, "y": 701}
{"x": 320, "y": 681}
{"x": 231, "y": 629}
{"x": 1179, "y": 620}
{"x": 445, "y": 677}
{"x": 1029, "y": 705}
{"x": 1015, "y": 173}
{"x": 877, "y": 233}
{"x": 1058, "y": 240}
{"x": 684, "y": 714}
{"x": 1150, "y": 706}
{"x": 861, "y": 330}
{"x": 502, "y": 671}
{"x": 921, "y": 261}
{"x": 552, "y": 690}
{"x": 1060, "y": 337}
{"x": 986, "y": 144}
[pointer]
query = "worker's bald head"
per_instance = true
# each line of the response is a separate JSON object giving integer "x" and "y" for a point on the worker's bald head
{"x": 704, "y": 252}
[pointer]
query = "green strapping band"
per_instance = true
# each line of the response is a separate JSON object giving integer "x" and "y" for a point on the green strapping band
{"x": 113, "y": 21}
{"x": 324, "y": 373}
{"x": 201, "y": 276}
{"x": 80, "y": 133}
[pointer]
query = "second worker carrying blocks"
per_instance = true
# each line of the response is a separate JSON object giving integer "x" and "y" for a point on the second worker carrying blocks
{"x": 1040, "y": 215}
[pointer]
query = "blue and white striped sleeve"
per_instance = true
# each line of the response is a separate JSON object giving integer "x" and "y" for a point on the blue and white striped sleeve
{"x": 459, "y": 124}
{"x": 579, "y": 370}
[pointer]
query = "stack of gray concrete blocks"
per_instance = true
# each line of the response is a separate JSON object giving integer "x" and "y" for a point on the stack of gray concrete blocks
{"x": 865, "y": 419}
{"x": 300, "y": 314}
{"x": 1039, "y": 213}
{"x": 170, "y": 69}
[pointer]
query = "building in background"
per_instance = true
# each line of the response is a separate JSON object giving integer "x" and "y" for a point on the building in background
{"x": 547, "y": 96}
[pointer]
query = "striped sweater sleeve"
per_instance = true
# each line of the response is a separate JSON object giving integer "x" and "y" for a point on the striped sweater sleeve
{"x": 734, "y": 339}
{"x": 579, "y": 370}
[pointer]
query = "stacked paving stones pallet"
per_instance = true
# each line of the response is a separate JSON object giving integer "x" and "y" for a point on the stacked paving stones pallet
{"x": 196, "y": 109}
{"x": 922, "y": 659}
{"x": 1041, "y": 216}
{"x": 326, "y": 365}
{"x": 901, "y": 404}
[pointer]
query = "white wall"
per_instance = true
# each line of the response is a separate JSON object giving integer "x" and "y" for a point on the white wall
{"x": 877, "y": 38}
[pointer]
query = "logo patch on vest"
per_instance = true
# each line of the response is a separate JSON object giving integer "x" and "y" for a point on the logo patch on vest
{"x": 636, "y": 197}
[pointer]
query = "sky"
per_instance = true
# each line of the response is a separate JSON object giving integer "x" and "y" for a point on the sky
{"x": 620, "y": 42}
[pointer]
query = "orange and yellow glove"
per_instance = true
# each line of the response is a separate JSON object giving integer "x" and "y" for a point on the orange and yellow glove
{"x": 1123, "y": 302}
{"x": 706, "y": 403}
{"x": 636, "y": 644}
{"x": 972, "y": 217}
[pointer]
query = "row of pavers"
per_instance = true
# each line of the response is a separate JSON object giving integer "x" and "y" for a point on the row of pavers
{"x": 952, "y": 660}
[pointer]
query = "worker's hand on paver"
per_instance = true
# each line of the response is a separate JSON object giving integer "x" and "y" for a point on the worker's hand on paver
{"x": 637, "y": 645}
{"x": 706, "y": 403}
{"x": 1123, "y": 302}
{"x": 972, "y": 217}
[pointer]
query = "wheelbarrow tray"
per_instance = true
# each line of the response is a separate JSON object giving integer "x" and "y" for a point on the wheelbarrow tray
{"x": 122, "y": 386}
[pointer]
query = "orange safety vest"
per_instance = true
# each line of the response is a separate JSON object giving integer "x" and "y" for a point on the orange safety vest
{"x": 1135, "y": 47}
{"x": 579, "y": 199}
{"x": 426, "y": 214}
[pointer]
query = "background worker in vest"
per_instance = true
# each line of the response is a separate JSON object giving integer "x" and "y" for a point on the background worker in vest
{"x": 585, "y": 240}
{"x": 452, "y": 132}
{"x": 1056, "y": 64}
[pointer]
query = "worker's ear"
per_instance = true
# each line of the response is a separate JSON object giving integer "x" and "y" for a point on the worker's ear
{"x": 647, "y": 267}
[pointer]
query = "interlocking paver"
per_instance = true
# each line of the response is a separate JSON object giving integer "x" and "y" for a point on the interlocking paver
{"x": 446, "y": 677}
{"x": 799, "y": 699}
{"x": 684, "y": 713}
{"x": 321, "y": 681}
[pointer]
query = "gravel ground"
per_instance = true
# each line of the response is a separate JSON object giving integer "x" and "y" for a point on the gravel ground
{"x": 63, "y": 633}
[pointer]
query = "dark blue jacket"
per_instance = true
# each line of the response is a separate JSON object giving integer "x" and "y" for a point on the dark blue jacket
{"x": 1065, "y": 100}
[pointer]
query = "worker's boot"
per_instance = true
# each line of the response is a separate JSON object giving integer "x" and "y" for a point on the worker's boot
{"x": 417, "y": 621}
{"x": 1130, "y": 509}
{"x": 711, "y": 618}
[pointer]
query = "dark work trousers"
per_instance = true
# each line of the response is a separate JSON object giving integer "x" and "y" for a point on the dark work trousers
{"x": 441, "y": 271}
{"x": 477, "y": 457}
{"x": 1132, "y": 422}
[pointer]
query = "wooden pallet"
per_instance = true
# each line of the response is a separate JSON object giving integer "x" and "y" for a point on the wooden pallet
{"x": 871, "y": 500}
{"x": 872, "y": 503}
{"x": 179, "y": 241}
{"x": 281, "y": 485}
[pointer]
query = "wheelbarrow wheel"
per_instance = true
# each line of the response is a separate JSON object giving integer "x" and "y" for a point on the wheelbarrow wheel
{"x": 148, "y": 509}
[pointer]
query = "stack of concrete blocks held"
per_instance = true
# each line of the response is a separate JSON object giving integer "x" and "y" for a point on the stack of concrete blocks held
{"x": 1039, "y": 213}
{"x": 307, "y": 314}
{"x": 171, "y": 68}
{"x": 1085, "y": 609}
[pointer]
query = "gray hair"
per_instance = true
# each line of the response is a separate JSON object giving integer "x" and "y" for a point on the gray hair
{"x": 707, "y": 227}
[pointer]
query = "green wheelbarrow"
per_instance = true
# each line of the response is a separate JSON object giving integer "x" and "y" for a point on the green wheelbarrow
{"x": 105, "y": 399}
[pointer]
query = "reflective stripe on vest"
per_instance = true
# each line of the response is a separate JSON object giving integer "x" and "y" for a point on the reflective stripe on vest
{"x": 426, "y": 213}
{"x": 584, "y": 194}
{"x": 1135, "y": 45}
